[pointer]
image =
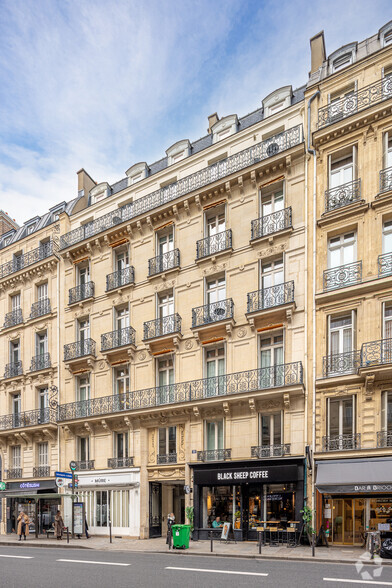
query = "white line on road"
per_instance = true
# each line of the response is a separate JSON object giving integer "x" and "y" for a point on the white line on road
{"x": 101, "y": 563}
{"x": 19, "y": 556}
{"x": 347, "y": 581}
{"x": 217, "y": 571}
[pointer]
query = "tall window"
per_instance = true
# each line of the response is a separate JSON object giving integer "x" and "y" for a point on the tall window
{"x": 341, "y": 333}
{"x": 341, "y": 423}
{"x": 121, "y": 380}
{"x": 83, "y": 328}
{"x": 388, "y": 143}
{"x": 16, "y": 457}
{"x": 121, "y": 260}
{"x": 386, "y": 411}
{"x": 272, "y": 202}
{"x": 42, "y": 291}
{"x": 83, "y": 388}
{"x": 272, "y": 273}
{"x": 43, "y": 457}
{"x": 342, "y": 167}
{"x": 165, "y": 304}
{"x": 216, "y": 290}
{"x": 165, "y": 392}
{"x": 215, "y": 221}
{"x": 41, "y": 343}
{"x": 16, "y": 409}
{"x": 43, "y": 404}
{"x": 121, "y": 318}
{"x": 271, "y": 360}
{"x": 215, "y": 370}
{"x": 167, "y": 441}
{"x": 271, "y": 429}
{"x": 387, "y": 237}
{"x": 121, "y": 445}
{"x": 165, "y": 242}
{"x": 387, "y": 334}
{"x": 83, "y": 275}
{"x": 15, "y": 351}
{"x": 342, "y": 250}
{"x": 83, "y": 448}
{"x": 15, "y": 302}
{"x": 214, "y": 435}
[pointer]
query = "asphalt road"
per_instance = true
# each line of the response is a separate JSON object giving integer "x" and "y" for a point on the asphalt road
{"x": 27, "y": 567}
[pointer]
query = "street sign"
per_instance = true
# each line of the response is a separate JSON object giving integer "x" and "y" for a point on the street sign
{"x": 63, "y": 475}
{"x": 73, "y": 465}
{"x": 2, "y": 485}
{"x": 60, "y": 482}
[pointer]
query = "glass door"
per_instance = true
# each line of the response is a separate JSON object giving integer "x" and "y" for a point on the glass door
{"x": 348, "y": 521}
{"x": 155, "y": 509}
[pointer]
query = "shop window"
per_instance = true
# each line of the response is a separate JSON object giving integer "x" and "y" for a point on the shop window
{"x": 342, "y": 167}
{"x": 101, "y": 497}
{"x": 271, "y": 429}
{"x": 341, "y": 421}
{"x": 166, "y": 442}
{"x": 221, "y": 504}
{"x": 215, "y": 370}
{"x": 121, "y": 445}
{"x": 271, "y": 360}
{"x": 342, "y": 250}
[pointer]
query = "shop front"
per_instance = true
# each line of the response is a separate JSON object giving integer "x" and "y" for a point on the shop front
{"x": 354, "y": 496}
{"x": 247, "y": 494}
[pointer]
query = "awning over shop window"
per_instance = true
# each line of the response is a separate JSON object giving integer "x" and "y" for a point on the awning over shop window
{"x": 346, "y": 476}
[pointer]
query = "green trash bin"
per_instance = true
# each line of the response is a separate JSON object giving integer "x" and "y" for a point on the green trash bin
{"x": 181, "y": 536}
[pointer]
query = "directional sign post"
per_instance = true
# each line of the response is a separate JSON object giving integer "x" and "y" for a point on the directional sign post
{"x": 73, "y": 465}
{"x": 63, "y": 475}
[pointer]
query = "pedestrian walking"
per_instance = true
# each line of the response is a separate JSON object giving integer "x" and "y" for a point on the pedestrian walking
{"x": 23, "y": 525}
{"x": 58, "y": 525}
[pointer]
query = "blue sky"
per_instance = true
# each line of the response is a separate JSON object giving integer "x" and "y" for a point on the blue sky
{"x": 103, "y": 85}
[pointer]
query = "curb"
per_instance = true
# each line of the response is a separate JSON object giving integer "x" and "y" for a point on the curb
{"x": 50, "y": 545}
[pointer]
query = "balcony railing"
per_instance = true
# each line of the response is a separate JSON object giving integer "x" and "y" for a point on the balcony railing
{"x": 14, "y": 473}
{"x": 289, "y": 374}
{"x": 384, "y": 265}
{"x": 342, "y": 276}
{"x": 29, "y": 418}
{"x": 41, "y": 472}
{"x": 213, "y": 173}
{"x": 342, "y": 195}
{"x": 386, "y": 179}
{"x": 384, "y": 439}
{"x": 271, "y": 450}
{"x": 271, "y": 223}
{"x": 160, "y": 327}
{"x": 271, "y": 297}
{"x": 376, "y": 353}
{"x": 214, "y": 244}
{"x": 15, "y": 317}
{"x": 341, "y": 363}
{"x": 40, "y": 308}
{"x": 81, "y": 292}
{"x": 79, "y": 349}
{"x": 123, "y": 277}
{"x": 355, "y": 102}
{"x": 164, "y": 262}
{"x": 164, "y": 458}
{"x": 13, "y": 369}
{"x": 85, "y": 465}
{"x": 212, "y": 313}
{"x": 214, "y": 455}
{"x": 23, "y": 261}
{"x": 118, "y": 338}
{"x": 40, "y": 362}
{"x": 342, "y": 442}
{"x": 120, "y": 462}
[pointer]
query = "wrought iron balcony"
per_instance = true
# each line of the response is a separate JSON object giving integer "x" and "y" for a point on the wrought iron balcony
{"x": 14, "y": 473}
{"x": 123, "y": 277}
{"x": 271, "y": 223}
{"x": 160, "y": 327}
{"x": 120, "y": 462}
{"x": 271, "y": 450}
{"x": 215, "y": 172}
{"x": 271, "y": 297}
{"x": 376, "y": 353}
{"x": 214, "y": 455}
{"x": 289, "y": 374}
{"x": 355, "y": 102}
{"x": 384, "y": 439}
{"x": 342, "y": 276}
{"x": 342, "y": 195}
{"x": 15, "y": 317}
{"x": 85, "y": 465}
{"x": 40, "y": 362}
{"x": 342, "y": 442}
{"x": 79, "y": 349}
{"x": 40, "y": 308}
{"x": 386, "y": 180}
{"x": 29, "y": 418}
{"x": 13, "y": 369}
{"x": 384, "y": 265}
{"x": 42, "y": 252}
{"x": 81, "y": 292}
{"x": 41, "y": 472}
{"x": 164, "y": 262}
{"x": 118, "y": 338}
{"x": 164, "y": 458}
{"x": 212, "y": 313}
{"x": 214, "y": 244}
{"x": 341, "y": 363}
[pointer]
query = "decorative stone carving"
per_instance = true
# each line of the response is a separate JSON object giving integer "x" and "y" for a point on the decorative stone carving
{"x": 188, "y": 344}
{"x": 286, "y": 401}
{"x": 241, "y": 333}
{"x": 369, "y": 385}
{"x": 142, "y": 356}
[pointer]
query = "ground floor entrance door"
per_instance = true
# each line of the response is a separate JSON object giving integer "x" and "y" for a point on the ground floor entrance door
{"x": 155, "y": 509}
{"x": 344, "y": 520}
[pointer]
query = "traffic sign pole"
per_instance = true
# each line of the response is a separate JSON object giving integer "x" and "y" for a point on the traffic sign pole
{"x": 73, "y": 465}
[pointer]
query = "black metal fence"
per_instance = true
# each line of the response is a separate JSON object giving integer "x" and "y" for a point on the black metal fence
{"x": 162, "y": 326}
{"x": 81, "y": 292}
{"x": 342, "y": 276}
{"x": 384, "y": 439}
{"x": 29, "y": 418}
{"x": 386, "y": 179}
{"x": 40, "y": 308}
{"x": 376, "y": 352}
{"x": 14, "y": 473}
{"x": 79, "y": 349}
{"x": 164, "y": 458}
{"x": 342, "y": 195}
{"x": 13, "y": 369}
{"x": 212, "y": 313}
{"x": 29, "y": 258}
{"x": 214, "y": 244}
{"x": 341, "y": 363}
{"x": 123, "y": 277}
{"x": 271, "y": 223}
{"x": 41, "y": 472}
{"x": 384, "y": 265}
{"x": 342, "y": 442}
{"x": 15, "y": 317}
{"x": 271, "y": 297}
{"x": 279, "y": 450}
{"x": 40, "y": 362}
{"x": 85, "y": 465}
{"x": 164, "y": 262}
{"x": 120, "y": 462}
{"x": 214, "y": 455}
{"x": 118, "y": 338}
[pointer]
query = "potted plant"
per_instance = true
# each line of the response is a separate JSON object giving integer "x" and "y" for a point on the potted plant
{"x": 307, "y": 517}
{"x": 237, "y": 515}
{"x": 190, "y": 515}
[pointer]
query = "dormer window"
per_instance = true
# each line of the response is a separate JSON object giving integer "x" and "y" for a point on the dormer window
{"x": 99, "y": 192}
{"x": 178, "y": 151}
{"x": 55, "y": 211}
{"x": 224, "y": 128}
{"x": 277, "y": 100}
{"x": 30, "y": 229}
{"x": 385, "y": 34}
{"x": 342, "y": 57}
{"x": 137, "y": 172}
{"x": 342, "y": 61}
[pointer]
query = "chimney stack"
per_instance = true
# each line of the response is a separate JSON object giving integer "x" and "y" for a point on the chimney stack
{"x": 85, "y": 182}
{"x": 317, "y": 51}
{"x": 212, "y": 119}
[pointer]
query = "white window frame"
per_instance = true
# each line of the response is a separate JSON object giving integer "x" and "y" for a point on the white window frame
{"x": 125, "y": 435}
{"x": 212, "y": 285}
{"x": 341, "y": 247}
{"x": 341, "y": 330}
{"x": 83, "y": 383}
{"x": 16, "y": 301}
{"x": 165, "y": 304}
{"x": 339, "y": 156}
{"x": 272, "y": 194}
{"x": 16, "y": 456}
{"x": 123, "y": 379}
{"x": 271, "y": 428}
{"x": 85, "y": 439}
{"x": 43, "y": 454}
{"x": 42, "y": 292}
{"x": 340, "y": 401}
{"x": 215, "y": 421}
{"x": 166, "y": 429}
{"x": 41, "y": 339}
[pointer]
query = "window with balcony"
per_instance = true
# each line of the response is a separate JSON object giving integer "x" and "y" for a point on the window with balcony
{"x": 42, "y": 455}
{"x": 271, "y": 436}
{"x": 386, "y": 171}
{"x": 387, "y": 237}
{"x": 341, "y": 424}
{"x": 82, "y": 275}
{"x": 17, "y": 259}
{"x": 41, "y": 343}
{"x": 215, "y": 370}
{"x": 121, "y": 446}
{"x": 165, "y": 304}
{"x": 16, "y": 457}
{"x": 121, "y": 380}
{"x": 384, "y": 437}
{"x": 215, "y": 221}
{"x": 213, "y": 441}
{"x": 165, "y": 380}
{"x": 42, "y": 291}
{"x": 341, "y": 344}
{"x": 15, "y": 302}
{"x": 215, "y": 290}
{"x": 83, "y": 330}
{"x": 167, "y": 445}
{"x": 43, "y": 404}
{"x": 387, "y": 148}
{"x": 272, "y": 201}
{"x": 342, "y": 250}
{"x": 272, "y": 273}
{"x": 15, "y": 352}
{"x": 121, "y": 259}
{"x": 121, "y": 318}
{"x": 82, "y": 388}
{"x": 165, "y": 241}
{"x": 83, "y": 449}
{"x": 272, "y": 360}
{"x": 16, "y": 400}
{"x": 342, "y": 167}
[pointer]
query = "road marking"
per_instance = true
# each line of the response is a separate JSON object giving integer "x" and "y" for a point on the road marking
{"x": 217, "y": 571}
{"x": 101, "y": 563}
{"x": 374, "y": 582}
{"x": 19, "y": 556}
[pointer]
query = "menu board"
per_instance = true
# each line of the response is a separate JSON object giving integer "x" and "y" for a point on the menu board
{"x": 225, "y": 531}
{"x": 78, "y": 517}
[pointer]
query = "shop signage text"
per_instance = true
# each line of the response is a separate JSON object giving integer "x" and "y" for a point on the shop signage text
{"x": 29, "y": 485}
{"x": 245, "y": 475}
{"x": 252, "y": 475}
{"x": 373, "y": 488}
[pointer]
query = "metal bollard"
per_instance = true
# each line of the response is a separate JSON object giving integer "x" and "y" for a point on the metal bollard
{"x": 170, "y": 540}
{"x": 313, "y": 545}
{"x": 67, "y": 534}
{"x": 259, "y": 542}
{"x": 212, "y": 543}
{"x": 372, "y": 546}
{"x": 110, "y": 531}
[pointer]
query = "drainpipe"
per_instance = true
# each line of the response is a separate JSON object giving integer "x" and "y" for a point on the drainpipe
{"x": 306, "y": 354}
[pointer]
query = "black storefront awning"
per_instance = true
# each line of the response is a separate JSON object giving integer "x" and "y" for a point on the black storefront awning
{"x": 248, "y": 472}
{"x": 352, "y": 476}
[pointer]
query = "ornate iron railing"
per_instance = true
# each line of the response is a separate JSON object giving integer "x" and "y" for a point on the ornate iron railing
{"x": 42, "y": 252}
{"x": 120, "y": 462}
{"x": 341, "y": 363}
{"x": 376, "y": 352}
{"x": 14, "y": 473}
{"x": 271, "y": 297}
{"x": 79, "y": 349}
{"x": 270, "y": 450}
{"x": 41, "y": 472}
{"x": 212, "y": 313}
{"x": 162, "y": 326}
{"x": 15, "y": 317}
{"x": 355, "y": 102}
{"x": 40, "y": 362}
{"x": 163, "y": 458}
{"x": 214, "y": 455}
{"x": 384, "y": 265}
{"x": 342, "y": 442}
{"x": 13, "y": 369}
{"x": 40, "y": 308}
{"x": 271, "y": 223}
{"x": 214, "y": 244}
{"x": 29, "y": 418}
{"x": 384, "y": 438}
{"x": 164, "y": 262}
{"x": 81, "y": 292}
{"x": 85, "y": 465}
{"x": 289, "y": 374}
{"x": 386, "y": 179}
{"x": 123, "y": 277}
{"x": 342, "y": 195}
{"x": 118, "y": 338}
{"x": 342, "y": 276}
{"x": 264, "y": 150}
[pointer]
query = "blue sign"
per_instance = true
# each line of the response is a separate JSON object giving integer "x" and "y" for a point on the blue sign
{"x": 62, "y": 475}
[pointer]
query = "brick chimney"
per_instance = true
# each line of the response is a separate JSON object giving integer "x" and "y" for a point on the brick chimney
{"x": 317, "y": 51}
{"x": 212, "y": 119}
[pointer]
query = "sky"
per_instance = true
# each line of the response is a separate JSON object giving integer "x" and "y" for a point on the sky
{"x": 103, "y": 85}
